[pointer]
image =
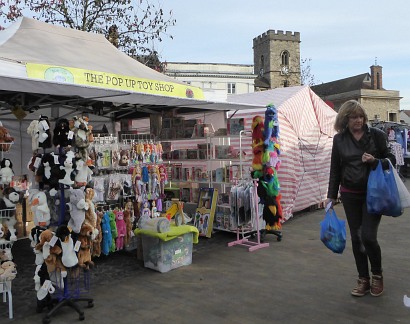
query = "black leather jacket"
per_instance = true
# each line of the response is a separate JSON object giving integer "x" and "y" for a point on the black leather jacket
{"x": 346, "y": 166}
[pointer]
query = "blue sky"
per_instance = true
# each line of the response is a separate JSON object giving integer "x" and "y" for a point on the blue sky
{"x": 342, "y": 38}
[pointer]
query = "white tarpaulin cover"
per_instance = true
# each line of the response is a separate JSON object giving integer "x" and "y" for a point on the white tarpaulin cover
{"x": 36, "y": 57}
{"x": 306, "y": 137}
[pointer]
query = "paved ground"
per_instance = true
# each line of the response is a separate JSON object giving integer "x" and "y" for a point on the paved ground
{"x": 296, "y": 280}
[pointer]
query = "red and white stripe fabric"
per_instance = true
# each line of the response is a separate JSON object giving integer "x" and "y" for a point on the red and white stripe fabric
{"x": 306, "y": 137}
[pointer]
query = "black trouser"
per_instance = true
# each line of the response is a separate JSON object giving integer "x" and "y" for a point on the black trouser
{"x": 363, "y": 230}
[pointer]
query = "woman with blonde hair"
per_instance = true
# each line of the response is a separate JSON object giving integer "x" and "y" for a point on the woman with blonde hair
{"x": 357, "y": 148}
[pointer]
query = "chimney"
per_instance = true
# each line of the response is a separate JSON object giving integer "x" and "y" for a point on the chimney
{"x": 376, "y": 77}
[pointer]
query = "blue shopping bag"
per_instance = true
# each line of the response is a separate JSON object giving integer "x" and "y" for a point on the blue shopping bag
{"x": 382, "y": 193}
{"x": 333, "y": 231}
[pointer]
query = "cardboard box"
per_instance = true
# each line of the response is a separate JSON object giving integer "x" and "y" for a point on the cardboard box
{"x": 164, "y": 256}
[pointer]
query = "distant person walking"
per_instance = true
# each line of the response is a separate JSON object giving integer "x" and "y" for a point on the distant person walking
{"x": 356, "y": 149}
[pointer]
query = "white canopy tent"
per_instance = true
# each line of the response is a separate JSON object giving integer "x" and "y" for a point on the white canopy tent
{"x": 29, "y": 45}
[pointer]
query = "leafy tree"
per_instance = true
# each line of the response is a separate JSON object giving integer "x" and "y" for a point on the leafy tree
{"x": 131, "y": 25}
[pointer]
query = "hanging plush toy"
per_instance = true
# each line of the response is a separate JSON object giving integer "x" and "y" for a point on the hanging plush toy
{"x": 271, "y": 125}
{"x": 257, "y": 143}
{"x": 7, "y": 204}
{"x": 81, "y": 136}
{"x": 77, "y": 207}
{"x": 121, "y": 230}
{"x": 62, "y": 136}
{"x": 84, "y": 253}
{"x": 114, "y": 232}
{"x": 67, "y": 169}
{"x": 6, "y": 171}
{"x": 32, "y": 130}
{"x": 90, "y": 214}
{"x": 106, "y": 234}
{"x": 40, "y": 209}
{"x": 96, "y": 250}
{"x": 128, "y": 222}
{"x": 44, "y": 134}
{"x": 83, "y": 174}
{"x": 5, "y": 139}
{"x": 69, "y": 256}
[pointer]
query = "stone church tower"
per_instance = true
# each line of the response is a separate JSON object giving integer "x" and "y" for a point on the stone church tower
{"x": 276, "y": 58}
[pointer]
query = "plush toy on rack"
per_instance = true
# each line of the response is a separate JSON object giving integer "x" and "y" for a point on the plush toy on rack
{"x": 5, "y": 252}
{"x": 5, "y": 139}
{"x": 49, "y": 173}
{"x": 79, "y": 126}
{"x": 272, "y": 210}
{"x": 257, "y": 143}
{"x": 106, "y": 234}
{"x": 32, "y": 130}
{"x": 8, "y": 271}
{"x": 114, "y": 231}
{"x": 128, "y": 218}
{"x": 52, "y": 252}
{"x": 96, "y": 250}
{"x": 124, "y": 158}
{"x": 62, "y": 136}
{"x": 127, "y": 186}
{"x": 269, "y": 187}
{"x": 44, "y": 134}
{"x": 77, "y": 207}
{"x": 68, "y": 167}
{"x": 121, "y": 230}
{"x": 271, "y": 124}
{"x": 69, "y": 256}
{"x": 90, "y": 214}
{"x": 7, "y": 210}
{"x": 84, "y": 253}
{"x": 84, "y": 173}
{"x": 6, "y": 171}
{"x": 40, "y": 209}
{"x": 44, "y": 246}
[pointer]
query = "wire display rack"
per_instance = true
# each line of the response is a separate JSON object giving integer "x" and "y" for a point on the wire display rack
{"x": 71, "y": 286}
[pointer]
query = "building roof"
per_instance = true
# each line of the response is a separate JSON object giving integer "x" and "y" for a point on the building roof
{"x": 357, "y": 82}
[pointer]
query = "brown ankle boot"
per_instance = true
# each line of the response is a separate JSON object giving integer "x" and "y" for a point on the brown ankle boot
{"x": 376, "y": 287}
{"x": 362, "y": 288}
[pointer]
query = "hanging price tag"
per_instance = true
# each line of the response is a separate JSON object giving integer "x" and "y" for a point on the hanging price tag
{"x": 56, "y": 161}
{"x": 70, "y": 135}
{"x": 77, "y": 246}
{"x": 45, "y": 125}
{"x": 53, "y": 241}
{"x": 37, "y": 162}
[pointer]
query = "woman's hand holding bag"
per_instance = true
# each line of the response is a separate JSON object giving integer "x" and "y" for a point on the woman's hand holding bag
{"x": 382, "y": 193}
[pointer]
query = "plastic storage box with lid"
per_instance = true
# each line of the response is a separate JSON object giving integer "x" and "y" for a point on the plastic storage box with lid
{"x": 168, "y": 250}
{"x": 164, "y": 256}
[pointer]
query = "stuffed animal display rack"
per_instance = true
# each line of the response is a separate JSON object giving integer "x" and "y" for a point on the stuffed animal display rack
{"x": 266, "y": 163}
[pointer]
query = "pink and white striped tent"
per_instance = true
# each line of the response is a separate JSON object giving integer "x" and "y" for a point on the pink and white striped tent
{"x": 306, "y": 136}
